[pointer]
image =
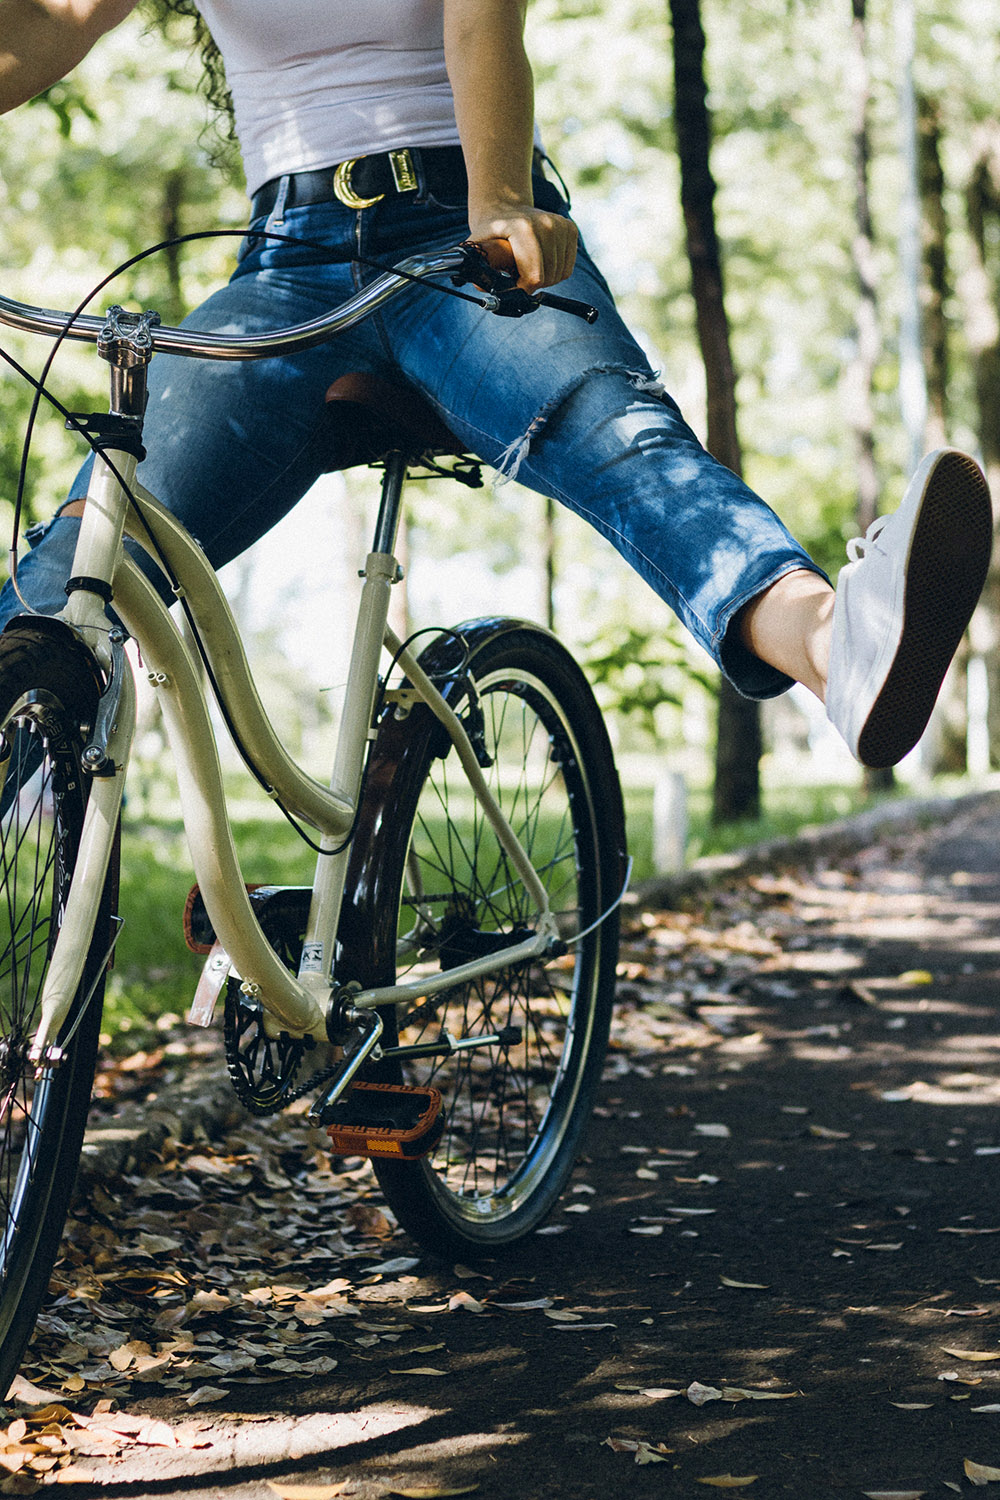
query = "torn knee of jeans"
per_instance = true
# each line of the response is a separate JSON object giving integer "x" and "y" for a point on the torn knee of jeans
{"x": 513, "y": 456}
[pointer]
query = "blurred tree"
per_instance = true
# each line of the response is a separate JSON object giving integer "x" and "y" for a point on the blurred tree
{"x": 736, "y": 791}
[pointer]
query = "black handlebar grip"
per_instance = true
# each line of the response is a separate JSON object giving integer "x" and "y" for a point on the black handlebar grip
{"x": 568, "y": 304}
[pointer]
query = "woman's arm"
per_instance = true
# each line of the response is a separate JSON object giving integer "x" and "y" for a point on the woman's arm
{"x": 43, "y": 40}
{"x": 494, "y": 106}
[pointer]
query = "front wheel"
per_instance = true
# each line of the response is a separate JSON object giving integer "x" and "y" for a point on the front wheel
{"x": 436, "y": 889}
{"x": 48, "y": 689}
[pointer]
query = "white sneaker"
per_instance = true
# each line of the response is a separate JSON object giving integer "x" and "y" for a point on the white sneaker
{"x": 902, "y": 605}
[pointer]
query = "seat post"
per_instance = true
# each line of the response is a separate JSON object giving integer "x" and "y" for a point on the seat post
{"x": 396, "y": 464}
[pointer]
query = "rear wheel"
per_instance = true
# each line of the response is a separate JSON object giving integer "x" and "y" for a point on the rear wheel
{"x": 47, "y": 690}
{"x": 438, "y": 890}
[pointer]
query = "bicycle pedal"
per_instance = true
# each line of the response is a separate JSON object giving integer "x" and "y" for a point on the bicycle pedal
{"x": 385, "y": 1119}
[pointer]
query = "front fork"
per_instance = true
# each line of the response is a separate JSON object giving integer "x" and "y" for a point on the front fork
{"x": 125, "y": 344}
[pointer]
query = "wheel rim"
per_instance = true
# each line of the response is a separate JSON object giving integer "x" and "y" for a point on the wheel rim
{"x": 508, "y": 1109}
{"x": 34, "y": 859}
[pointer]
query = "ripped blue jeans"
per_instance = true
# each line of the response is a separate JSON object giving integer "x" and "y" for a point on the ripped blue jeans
{"x": 573, "y": 410}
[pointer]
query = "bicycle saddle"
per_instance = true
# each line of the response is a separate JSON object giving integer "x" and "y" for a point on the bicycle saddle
{"x": 372, "y": 417}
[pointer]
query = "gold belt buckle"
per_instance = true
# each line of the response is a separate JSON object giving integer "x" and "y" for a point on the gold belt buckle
{"x": 404, "y": 175}
{"x": 343, "y": 191}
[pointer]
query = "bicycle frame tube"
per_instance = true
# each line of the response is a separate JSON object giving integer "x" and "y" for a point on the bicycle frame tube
{"x": 98, "y": 547}
{"x": 199, "y": 776}
{"x": 381, "y": 571}
{"x": 328, "y": 810}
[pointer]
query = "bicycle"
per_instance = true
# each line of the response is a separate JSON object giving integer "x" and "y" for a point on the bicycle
{"x": 458, "y": 946}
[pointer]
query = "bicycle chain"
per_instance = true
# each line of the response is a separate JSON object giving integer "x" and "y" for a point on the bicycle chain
{"x": 248, "y": 1092}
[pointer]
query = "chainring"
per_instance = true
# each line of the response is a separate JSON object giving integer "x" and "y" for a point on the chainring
{"x": 262, "y": 1068}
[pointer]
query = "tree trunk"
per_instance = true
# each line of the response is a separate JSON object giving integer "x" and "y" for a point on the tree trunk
{"x": 935, "y": 279}
{"x": 980, "y": 291}
{"x": 738, "y": 743}
{"x": 860, "y": 375}
{"x": 174, "y": 185}
{"x": 945, "y": 746}
{"x": 549, "y": 560}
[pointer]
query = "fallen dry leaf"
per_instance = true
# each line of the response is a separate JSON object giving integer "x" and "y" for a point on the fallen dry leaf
{"x": 30, "y": 1395}
{"x": 698, "y": 1394}
{"x": 750, "y": 1286}
{"x": 980, "y": 1473}
{"x": 419, "y": 1370}
{"x": 205, "y": 1394}
{"x": 156, "y": 1435}
{"x": 894, "y": 1494}
{"x": 645, "y": 1453}
{"x": 974, "y": 1356}
{"x": 308, "y": 1491}
{"x": 434, "y": 1491}
{"x": 730, "y": 1481}
{"x": 465, "y": 1302}
{"x": 369, "y": 1220}
{"x": 741, "y": 1393}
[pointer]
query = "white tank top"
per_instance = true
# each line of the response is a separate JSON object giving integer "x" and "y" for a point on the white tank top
{"x": 316, "y": 82}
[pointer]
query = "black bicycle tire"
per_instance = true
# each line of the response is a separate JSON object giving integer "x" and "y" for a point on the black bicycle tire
{"x": 404, "y": 754}
{"x": 51, "y": 667}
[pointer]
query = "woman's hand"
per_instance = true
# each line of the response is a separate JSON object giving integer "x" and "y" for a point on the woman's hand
{"x": 543, "y": 244}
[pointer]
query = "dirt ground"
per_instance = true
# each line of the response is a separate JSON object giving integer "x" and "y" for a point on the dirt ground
{"x": 776, "y": 1270}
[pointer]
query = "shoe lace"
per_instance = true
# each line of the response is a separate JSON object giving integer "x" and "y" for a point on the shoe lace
{"x": 859, "y": 545}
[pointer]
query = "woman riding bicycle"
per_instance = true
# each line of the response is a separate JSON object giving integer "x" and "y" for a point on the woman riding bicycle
{"x": 374, "y": 131}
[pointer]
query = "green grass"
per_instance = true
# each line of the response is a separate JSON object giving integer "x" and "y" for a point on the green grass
{"x": 788, "y": 809}
{"x": 154, "y": 973}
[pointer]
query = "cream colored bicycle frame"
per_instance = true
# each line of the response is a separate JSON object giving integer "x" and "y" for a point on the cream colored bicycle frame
{"x": 298, "y": 1003}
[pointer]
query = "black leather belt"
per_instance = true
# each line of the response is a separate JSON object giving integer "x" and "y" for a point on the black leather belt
{"x": 366, "y": 180}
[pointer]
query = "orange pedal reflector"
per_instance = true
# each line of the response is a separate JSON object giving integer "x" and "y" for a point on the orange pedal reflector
{"x": 385, "y": 1119}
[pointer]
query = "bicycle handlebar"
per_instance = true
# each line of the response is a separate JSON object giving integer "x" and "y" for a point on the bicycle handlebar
{"x": 88, "y": 329}
{"x": 465, "y": 263}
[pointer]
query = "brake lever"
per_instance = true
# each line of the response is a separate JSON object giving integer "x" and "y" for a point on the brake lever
{"x": 513, "y": 301}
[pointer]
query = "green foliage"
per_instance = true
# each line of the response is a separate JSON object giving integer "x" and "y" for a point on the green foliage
{"x": 66, "y": 102}
{"x": 637, "y": 671}
{"x": 92, "y": 171}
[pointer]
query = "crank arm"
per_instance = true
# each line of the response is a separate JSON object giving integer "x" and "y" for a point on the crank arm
{"x": 369, "y": 1023}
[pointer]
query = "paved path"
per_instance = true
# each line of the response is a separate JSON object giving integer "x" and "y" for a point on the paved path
{"x": 783, "y": 1238}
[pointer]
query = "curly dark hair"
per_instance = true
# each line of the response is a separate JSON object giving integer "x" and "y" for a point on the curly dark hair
{"x": 165, "y": 14}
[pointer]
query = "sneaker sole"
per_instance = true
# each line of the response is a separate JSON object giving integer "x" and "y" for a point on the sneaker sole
{"x": 947, "y": 567}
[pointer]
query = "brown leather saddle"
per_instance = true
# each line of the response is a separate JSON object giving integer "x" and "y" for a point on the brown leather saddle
{"x": 371, "y": 417}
